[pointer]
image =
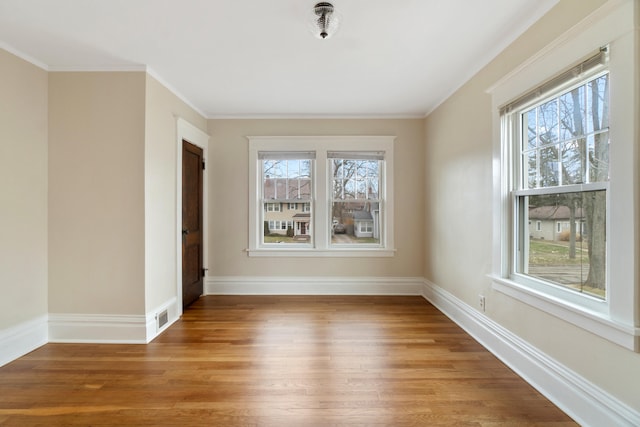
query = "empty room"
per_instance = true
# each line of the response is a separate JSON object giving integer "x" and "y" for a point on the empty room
{"x": 303, "y": 213}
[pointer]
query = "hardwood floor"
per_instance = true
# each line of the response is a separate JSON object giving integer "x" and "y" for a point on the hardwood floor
{"x": 279, "y": 361}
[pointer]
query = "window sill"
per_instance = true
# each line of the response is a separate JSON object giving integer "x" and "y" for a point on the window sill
{"x": 627, "y": 336}
{"x": 321, "y": 253}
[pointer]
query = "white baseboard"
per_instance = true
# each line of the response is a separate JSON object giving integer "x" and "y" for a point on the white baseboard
{"x": 586, "y": 403}
{"x": 153, "y": 328}
{"x": 23, "y": 338}
{"x": 97, "y": 328}
{"x": 259, "y": 285}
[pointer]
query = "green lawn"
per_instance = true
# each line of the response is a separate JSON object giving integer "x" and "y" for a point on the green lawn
{"x": 281, "y": 239}
{"x": 276, "y": 238}
{"x": 550, "y": 261}
{"x": 543, "y": 252}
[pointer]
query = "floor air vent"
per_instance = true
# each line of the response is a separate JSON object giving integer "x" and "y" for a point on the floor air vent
{"x": 163, "y": 318}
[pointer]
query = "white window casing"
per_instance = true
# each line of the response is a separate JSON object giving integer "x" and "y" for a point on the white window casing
{"x": 616, "y": 318}
{"x": 261, "y": 147}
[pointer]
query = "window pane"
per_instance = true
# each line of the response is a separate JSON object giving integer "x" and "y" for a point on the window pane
{"x": 349, "y": 191}
{"x": 567, "y": 246}
{"x": 276, "y": 168}
{"x": 599, "y": 157}
{"x": 549, "y": 167}
{"x": 286, "y": 196}
{"x": 531, "y": 172}
{"x": 531, "y": 132}
{"x": 373, "y": 188}
{"x": 572, "y": 114}
{"x": 597, "y": 92}
{"x": 548, "y": 122}
{"x": 573, "y": 162}
{"x": 355, "y": 222}
{"x": 281, "y": 188}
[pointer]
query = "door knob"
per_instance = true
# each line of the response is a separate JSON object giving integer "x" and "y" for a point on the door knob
{"x": 185, "y": 231}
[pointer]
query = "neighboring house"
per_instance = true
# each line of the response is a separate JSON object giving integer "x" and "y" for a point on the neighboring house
{"x": 285, "y": 207}
{"x": 362, "y": 224}
{"x": 550, "y": 222}
{"x": 360, "y": 218}
{"x": 282, "y": 215}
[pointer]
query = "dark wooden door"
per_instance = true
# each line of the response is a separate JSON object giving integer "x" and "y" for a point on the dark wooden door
{"x": 192, "y": 235}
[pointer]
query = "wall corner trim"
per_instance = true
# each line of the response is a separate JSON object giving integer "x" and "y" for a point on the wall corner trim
{"x": 22, "y": 338}
{"x": 585, "y": 402}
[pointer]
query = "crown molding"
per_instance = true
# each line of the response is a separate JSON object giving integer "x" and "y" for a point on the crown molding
{"x": 293, "y": 116}
{"x": 12, "y": 50}
{"x": 100, "y": 69}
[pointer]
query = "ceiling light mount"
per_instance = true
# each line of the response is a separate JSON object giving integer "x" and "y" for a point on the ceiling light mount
{"x": 325, "y": 20}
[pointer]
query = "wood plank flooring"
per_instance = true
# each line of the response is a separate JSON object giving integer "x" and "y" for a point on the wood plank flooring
{"x": 279, "y": 361}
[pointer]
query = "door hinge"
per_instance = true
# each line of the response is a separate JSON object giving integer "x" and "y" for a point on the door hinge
{"x": 204, "y": 272}
{"x": 203, "y": 166}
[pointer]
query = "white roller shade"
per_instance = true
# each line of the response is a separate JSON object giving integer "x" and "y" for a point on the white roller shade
{"x": 356, "y": 155}
{"x": 286, "y": 155}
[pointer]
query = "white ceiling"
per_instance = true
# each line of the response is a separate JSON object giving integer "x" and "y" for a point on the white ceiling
{"x": 257, "y": 58}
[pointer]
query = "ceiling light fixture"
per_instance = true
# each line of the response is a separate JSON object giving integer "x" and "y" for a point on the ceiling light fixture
{"x": 325, "y": 20}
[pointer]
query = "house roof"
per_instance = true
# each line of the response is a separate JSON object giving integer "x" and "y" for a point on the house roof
{"x": 362, "y": 215}
{"x": 278, "y": 189}
{"x": 552, "y": 212}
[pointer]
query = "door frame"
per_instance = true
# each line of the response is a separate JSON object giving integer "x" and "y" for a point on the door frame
{"x": 188, "y": 132}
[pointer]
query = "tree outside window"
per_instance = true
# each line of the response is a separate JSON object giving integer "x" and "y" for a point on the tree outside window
{"x": 564, "y": 152}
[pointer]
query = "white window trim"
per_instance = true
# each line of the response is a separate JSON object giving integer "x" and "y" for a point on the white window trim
{"x": 321, "y": 212}
{"x": 617, "y": 319}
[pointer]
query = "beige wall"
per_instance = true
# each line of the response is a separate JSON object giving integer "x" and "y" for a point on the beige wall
{"x": 105, "y": 181}
{"x": 228, "y": 199}
{"x": 96, "y": 192}
{"x": 162, "y": 107}
{"x": 458, "y": 161}
{"x": 23, "y": 191}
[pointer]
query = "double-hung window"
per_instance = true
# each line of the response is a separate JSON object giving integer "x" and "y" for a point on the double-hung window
{"x": 557, "y": 140}
{"x": 321, "y": 196}
{"x": 565, "y": 196}
{"x": 561, "y": 167}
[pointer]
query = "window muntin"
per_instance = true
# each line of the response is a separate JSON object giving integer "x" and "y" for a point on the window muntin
{"x": 356, "y": 203}
{"x": 563, "y": 154}
{"x": 286, "y": 181}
